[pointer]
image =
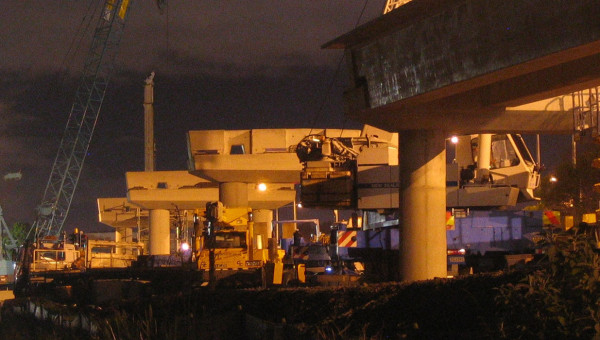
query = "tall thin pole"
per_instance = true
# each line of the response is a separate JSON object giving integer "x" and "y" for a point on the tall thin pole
{"x": 149, "y": 154}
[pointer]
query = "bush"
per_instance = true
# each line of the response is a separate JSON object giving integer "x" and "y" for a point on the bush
{"x": 560, "y": 298}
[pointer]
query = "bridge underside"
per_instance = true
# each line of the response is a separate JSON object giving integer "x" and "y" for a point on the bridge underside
{"x": 437, "y": 67}
{"x": 468, "y": 64}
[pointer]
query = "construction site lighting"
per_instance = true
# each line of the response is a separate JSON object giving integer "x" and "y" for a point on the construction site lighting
{"x": 454, "y": 139}
{"x": 261, "y": 187}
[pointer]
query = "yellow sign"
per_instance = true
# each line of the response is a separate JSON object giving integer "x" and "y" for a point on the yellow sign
{"x": 551, "y": 217}
{"x": 589, "y": 218}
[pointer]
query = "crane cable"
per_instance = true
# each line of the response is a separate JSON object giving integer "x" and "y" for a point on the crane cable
{"x": 334, "y": 78}
{"x": 79, "y": 35}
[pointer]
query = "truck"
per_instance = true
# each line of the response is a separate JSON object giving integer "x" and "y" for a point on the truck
{"x": 228, "y": 250}
{"x": 7, "y": 277}
{"x": 50, "y": 258}
{"x": 485, "y": 172}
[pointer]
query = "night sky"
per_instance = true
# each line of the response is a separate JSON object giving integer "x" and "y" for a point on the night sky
{"x": 218, "y": 64}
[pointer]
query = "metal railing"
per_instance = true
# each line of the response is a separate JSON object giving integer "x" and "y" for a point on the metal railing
{"x": 585, "y": 111}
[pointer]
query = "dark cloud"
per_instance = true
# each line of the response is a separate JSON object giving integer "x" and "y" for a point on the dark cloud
{"x": 293, "y": 98}
{"x": 43, "y": 35}
{"x": 219, "y": 65}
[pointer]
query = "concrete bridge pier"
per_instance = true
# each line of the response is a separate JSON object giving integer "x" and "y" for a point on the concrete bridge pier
{"x": 263, "y": 229}
{"x": 423, "y": 205}
{"x": 233, "y": 194}
{"x": 160, "y": 232}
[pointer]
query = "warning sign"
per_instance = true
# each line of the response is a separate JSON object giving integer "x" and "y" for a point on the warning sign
{"x": 347, "y": 239}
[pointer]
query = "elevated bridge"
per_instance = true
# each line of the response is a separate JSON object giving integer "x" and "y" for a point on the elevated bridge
{"x": 431, "y": 68}
{"x": 444, "y": 60}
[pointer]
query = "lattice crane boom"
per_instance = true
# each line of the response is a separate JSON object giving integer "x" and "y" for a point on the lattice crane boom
{"x": 73, "y": 148}
{"x": 391, "y": 5}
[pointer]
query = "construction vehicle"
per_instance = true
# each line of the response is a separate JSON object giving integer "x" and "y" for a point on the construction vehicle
{"x": 98, "y": 68}
{"x": 361, "y": 173}
{"x": 7, "y": 245}
{"x": 487, "y": 177}
{"x": 490, "y": 171}
{"x": 307, "y": 250}
{"x": 226, "y": 249}
{"x": 69, "y": 256}
{"x": 229, "y": 251}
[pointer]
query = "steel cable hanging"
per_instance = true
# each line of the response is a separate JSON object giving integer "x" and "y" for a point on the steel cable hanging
{"x": 334, "y": 78}
{"x": 80, "y": 34}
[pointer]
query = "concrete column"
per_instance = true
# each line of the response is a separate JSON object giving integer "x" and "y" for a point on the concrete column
{"x": 263, "y": 219}
{"x": 160, "y": 233}
{"x": 124, "y": 234}
{"x": 234, "y": 194}
{"x": 423, "y": 203}
{"x": 484, "y": 158}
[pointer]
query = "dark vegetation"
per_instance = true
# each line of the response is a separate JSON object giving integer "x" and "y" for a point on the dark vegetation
{"x": 555, "y": 297}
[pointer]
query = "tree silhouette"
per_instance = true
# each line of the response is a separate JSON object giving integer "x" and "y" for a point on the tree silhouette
{"x": 19, "y": 232}
{"x": 573, "y": 191}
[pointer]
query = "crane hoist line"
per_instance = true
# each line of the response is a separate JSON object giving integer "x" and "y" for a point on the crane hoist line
{"x": 67, "y": 166}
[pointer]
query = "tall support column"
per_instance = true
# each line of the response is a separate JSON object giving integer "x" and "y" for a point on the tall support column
{"x": 233, "y": 194}
{"x": 263, "y": 229}
{"x": 484, "y": 158}
{"x": 160, "y": 233}
{"x": 423, "y": 203}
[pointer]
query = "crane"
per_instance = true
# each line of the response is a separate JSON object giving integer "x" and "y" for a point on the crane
{"x": 66, "y": 170}
{"x": 391, "y": 5}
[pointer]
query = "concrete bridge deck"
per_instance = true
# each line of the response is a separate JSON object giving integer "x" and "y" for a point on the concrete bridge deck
{"x": 464, "y": 62}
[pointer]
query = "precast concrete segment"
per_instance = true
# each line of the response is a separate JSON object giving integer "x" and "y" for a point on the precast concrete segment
{"x": 423, "y": 202}
{"x": 468, "y": 121}
{"x": 462, "y": 40}
{"x": 233, "y": 194}
{"x": 160, "y": 237}
{"x": 471, "y": 57}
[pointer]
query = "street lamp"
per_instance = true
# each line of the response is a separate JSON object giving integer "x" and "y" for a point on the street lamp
{"x": 454, "y": 141}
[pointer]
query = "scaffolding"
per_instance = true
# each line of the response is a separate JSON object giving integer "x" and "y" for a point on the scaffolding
{"x": 585, "y": 110}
